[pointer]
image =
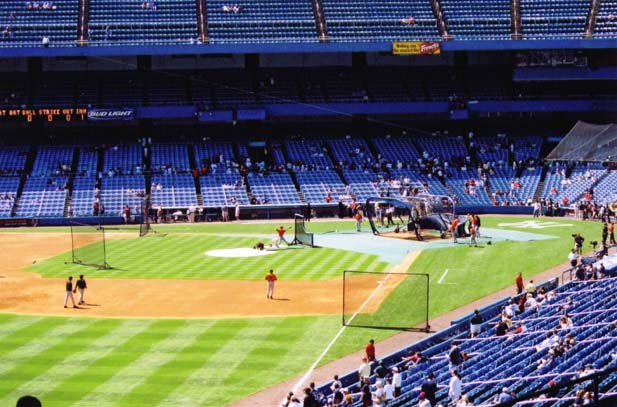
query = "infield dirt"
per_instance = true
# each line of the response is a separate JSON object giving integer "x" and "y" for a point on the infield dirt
{"x": 24, "y": 292}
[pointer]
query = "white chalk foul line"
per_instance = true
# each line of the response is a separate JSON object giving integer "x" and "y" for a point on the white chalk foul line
{"x": 445, "y": 273}
{"x": 380, "y": 284}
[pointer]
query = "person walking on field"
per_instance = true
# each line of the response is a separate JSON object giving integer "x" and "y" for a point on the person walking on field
{"x": 358, "y": 218}
{"x": 270, "y": 279}
{"x": 81, "y": 286}
{"x": 611, "y": 233}
{"x": 454, "y": 229}
{"x": 519, "y": 283}
{"x": 369, "y": 351}
{"x": 69, "y": 292}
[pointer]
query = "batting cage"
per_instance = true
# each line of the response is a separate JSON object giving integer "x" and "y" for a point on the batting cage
{"x": 145, "y": 217}
{"x": 301, "y": 236}
{"x": 88, "y": 245}
{"x": 386, "y": 300}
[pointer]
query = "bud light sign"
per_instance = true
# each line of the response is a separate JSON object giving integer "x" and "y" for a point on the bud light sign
{"x": 111, "y": 114}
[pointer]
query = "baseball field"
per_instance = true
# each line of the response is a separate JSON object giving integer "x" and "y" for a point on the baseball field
{"x": 171, "y": 325}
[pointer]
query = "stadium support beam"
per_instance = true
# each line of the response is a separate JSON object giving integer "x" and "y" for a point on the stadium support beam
{"x": 83, "y": 18}
{"x": 202, "y": 21}
{"x": 515, "y": 19}
{"x": 441, "y": 22}
{"x": 590, "y": 23}
{"x": 320, "y": 21}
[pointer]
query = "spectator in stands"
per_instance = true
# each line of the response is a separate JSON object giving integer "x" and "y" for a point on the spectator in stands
{"x": 501, "y": 328}
{"x": 423, "y": 401}
{"x": 429, "y": 388}
{"x": 530, "y": 302}
{"x": 476, "y": 324}
{"x": 309, "y": 398}
{"x": 530, "y": 288}
{"x": 504, "y": 396}
{"x": 573, "y": 258}
{"x": 454, "y": 387}
{"x": 397, "y": 381}
{"x": 454, "y": 356}
{"x": 364, "y": 371}
{"x": 565, "y": 322}
{"x": 408, "y": 21}
{"x": 28, "y": 401}
{"x": 45, "y": 41}
{"x": 365, "y": 393}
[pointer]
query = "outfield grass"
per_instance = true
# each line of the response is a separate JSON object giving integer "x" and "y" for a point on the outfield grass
{"x": 111, "y": 362}
{"x": 217, "y": 227}
{"x": 99, "y": 362}
{"x": 182, "y": 256}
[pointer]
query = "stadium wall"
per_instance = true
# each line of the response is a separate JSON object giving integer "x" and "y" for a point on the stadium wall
{"x": 293, "y": 48}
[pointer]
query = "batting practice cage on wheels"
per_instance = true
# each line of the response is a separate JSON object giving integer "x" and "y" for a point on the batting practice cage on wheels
{"x": 88, "y": 245}
{"x": 301, "y": 236}
{"x": 386, "y": 300}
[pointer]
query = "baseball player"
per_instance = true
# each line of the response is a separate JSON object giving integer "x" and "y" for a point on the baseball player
{"x": 280, "y": 236}
{"x": 270, "y": 278}
{"x": 69, "y": 292}
{"x": 81, "y": 286}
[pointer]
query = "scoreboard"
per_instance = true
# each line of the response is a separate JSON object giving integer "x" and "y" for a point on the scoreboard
{"x": 54, "y": 114}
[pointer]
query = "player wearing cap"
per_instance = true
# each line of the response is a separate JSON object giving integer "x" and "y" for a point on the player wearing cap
{"x": 81, "y": 286}
{"x": 69, "y": 292}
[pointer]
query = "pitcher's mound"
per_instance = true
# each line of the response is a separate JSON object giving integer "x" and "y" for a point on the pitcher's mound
{"x": 239, "y": 252}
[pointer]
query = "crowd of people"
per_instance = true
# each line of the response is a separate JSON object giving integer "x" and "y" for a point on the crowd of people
{"x": 40, "y": 5}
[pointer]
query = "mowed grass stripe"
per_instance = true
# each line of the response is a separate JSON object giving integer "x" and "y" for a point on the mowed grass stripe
{"x": 11, "y": 326}
{"x": 103, "y": 338}
{"x": 176, "y": 336}
{"x": 203, "y": 387}
{"x": 182, "y": 256}
{"x": 164, "y": 380}
{"x": 37, "y": 355}
{"x": 319, "y": 261}
{"x": 288, "y": 340}
{"x": 333, "y": 264}
{"x": 41, "y": 344}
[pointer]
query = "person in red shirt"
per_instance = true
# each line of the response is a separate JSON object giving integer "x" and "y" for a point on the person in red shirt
{"x": 369, "y": 350}
{"x": 270, "y": 279}
{"x": 519, "y": 283}
{"x": 280, "y": 235}
{"x": 611, "y": 233}
{"x": 453, "y": 229}
{"x": 358, "y": 218}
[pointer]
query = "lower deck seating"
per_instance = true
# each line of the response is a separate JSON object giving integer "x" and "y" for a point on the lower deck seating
{"x": 118, "y": 191}
{"x": 274, "y": 189}
{"x": 42, "y": 197}
{"x": 83, "y": 196}
{"x": 523, "y": 362}
{"x": 173, "y": 191}
{"x": 223, "y": 189}
{"x": 8, "y": 192}
{"x": 322, "y": 187}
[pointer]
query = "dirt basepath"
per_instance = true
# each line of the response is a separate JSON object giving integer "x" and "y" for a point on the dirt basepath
{"x": 28, "y": 293}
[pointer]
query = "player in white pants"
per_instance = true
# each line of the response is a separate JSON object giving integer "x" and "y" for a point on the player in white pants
{"x": 81, "y": 286}
{"x": 69, "y": 292}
